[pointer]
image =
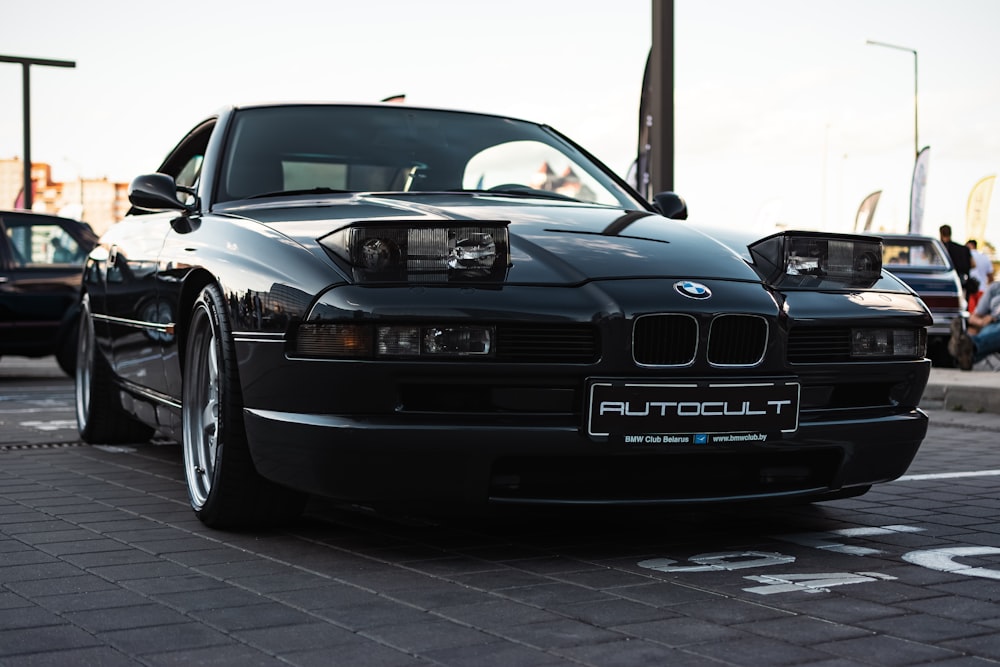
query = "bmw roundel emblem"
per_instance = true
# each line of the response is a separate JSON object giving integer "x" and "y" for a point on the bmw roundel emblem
{"x": 692, "y": 290}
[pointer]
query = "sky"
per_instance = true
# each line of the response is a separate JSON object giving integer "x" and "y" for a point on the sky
{"x": 784, "y": 116}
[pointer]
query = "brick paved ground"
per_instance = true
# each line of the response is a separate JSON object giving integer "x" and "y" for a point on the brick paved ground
{"x": 103, "y": 563}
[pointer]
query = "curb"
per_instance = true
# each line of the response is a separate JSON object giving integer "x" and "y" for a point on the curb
{"x": 964, "y": 391}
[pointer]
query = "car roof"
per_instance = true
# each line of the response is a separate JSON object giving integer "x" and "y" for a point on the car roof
{"x": 84, "y": 227}
{"x": 395, "y": 105}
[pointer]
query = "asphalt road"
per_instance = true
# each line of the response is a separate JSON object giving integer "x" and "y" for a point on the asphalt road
{"x": 102, "y": 562}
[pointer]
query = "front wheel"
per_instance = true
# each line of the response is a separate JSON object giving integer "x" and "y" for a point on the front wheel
{"x": 223, "y": 485}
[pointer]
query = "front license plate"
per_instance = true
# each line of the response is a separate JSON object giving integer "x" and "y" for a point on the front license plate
{"x": 700, "y": 411}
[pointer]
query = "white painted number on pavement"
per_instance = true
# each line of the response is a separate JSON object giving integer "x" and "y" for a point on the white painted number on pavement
{"x": 738, "y": 560}
{"x": 811, "y": 583}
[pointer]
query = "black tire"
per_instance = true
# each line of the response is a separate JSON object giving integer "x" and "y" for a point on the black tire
{"x": 224, "y": 487}
{"x": 66, "y": 349}
{"x": 100, "y": 417}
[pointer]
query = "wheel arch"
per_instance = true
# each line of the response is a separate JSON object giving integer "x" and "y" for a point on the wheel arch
{"x": 192, "y": 287}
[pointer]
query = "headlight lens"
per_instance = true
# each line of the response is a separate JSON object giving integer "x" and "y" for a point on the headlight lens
{"x": 893, "y": 343}
{"x": 816, "y": 260}
{"x": 368, "y": 341}
{"x": 389, "y": 252}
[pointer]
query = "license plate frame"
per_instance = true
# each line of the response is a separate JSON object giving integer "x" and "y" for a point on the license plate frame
{"x": 634, "y": 409}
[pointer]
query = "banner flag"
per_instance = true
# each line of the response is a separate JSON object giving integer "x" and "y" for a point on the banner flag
{"x": 19, "y": 200}
{"x": 977, "y": 211}
{"x": 918, "y": 191}
{"x": 866, "y": 212}
{"x": 640, "y": 170}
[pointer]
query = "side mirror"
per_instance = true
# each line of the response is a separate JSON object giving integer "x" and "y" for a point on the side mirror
{"x": 670, "y": 205}
{"x": 157, "y": 192}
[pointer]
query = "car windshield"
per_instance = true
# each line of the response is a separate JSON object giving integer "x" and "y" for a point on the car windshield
{"x": 289, "y": 149}
{"x": 916, "y": 253}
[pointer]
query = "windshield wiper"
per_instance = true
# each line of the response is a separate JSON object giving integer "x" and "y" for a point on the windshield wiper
{"x": 296, "y": 193}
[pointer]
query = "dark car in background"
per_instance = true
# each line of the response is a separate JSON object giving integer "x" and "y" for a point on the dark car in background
{"x": 430, "y": 309}
{"x": 922, "y": 262}
{"x": 41, "y": 263}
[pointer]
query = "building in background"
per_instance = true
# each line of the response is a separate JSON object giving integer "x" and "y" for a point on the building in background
{"x": 96, "y": 201}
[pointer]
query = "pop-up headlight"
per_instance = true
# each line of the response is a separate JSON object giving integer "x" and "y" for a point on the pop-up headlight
{"x": 441, "y": 252}
{"x": 817, "y": 260}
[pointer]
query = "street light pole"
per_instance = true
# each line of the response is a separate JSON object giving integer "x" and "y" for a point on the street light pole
{"x": 916, "y": 139}
{"x": 661, "y": 69}
{"x": 26, "y": 64}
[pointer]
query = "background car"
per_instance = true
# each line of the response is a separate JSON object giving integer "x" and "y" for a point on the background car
{"x": 922, "y": 262}
{"x": 41, "y": 263}
{"x": 435, "y": 310}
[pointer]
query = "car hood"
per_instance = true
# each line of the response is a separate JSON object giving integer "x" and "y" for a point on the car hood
{"x": 552, "y": 242}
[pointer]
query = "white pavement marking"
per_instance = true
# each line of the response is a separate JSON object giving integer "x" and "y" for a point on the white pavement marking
{"x": 52, "y": 425}
{"x": 943, "y": 560}
{"x": 727, "y": 560}
{"x": 811, "y": 583}
{"x": 949, "y": 475}
{"x": 822, "y": 540}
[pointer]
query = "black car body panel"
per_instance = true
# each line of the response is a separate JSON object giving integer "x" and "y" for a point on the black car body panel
{"x": 41, "y": 262}
{"x": 600, "y": 305}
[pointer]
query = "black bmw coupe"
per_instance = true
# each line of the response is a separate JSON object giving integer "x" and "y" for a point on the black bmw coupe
{"x": 403, "y": 306}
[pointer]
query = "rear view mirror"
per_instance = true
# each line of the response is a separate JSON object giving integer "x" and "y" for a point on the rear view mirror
{"x": 670, "y": 205}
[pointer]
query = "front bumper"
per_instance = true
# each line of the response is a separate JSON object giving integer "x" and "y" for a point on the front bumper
{"x": 545, "y": 460}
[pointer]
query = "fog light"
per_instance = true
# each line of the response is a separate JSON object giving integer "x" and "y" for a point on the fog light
{"x": 457, "y": 341}
{"x": 398, "y": 341}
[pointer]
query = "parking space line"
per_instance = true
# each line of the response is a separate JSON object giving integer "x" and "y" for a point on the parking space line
{"x": 948, "y": 475}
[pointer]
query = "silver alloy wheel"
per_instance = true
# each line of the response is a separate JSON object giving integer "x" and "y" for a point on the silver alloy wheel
{"x": 201, "y": 408}
{"x": 84, "y": 365}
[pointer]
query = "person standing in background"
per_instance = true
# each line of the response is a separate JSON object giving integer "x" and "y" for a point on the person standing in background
{"x": 961, "y": 259}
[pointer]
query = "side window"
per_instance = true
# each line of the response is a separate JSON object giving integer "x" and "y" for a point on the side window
{"x": 188, "y": 176}
{"x": 42, "y": 244}
{"x": 185, "y": 162}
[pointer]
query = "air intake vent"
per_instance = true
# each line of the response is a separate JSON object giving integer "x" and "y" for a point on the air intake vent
{"x": 815, "y": 345}
{"x": 559, "y": 344}
{"x": 737, "y": 340}
{"x": 665, "y": 340}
